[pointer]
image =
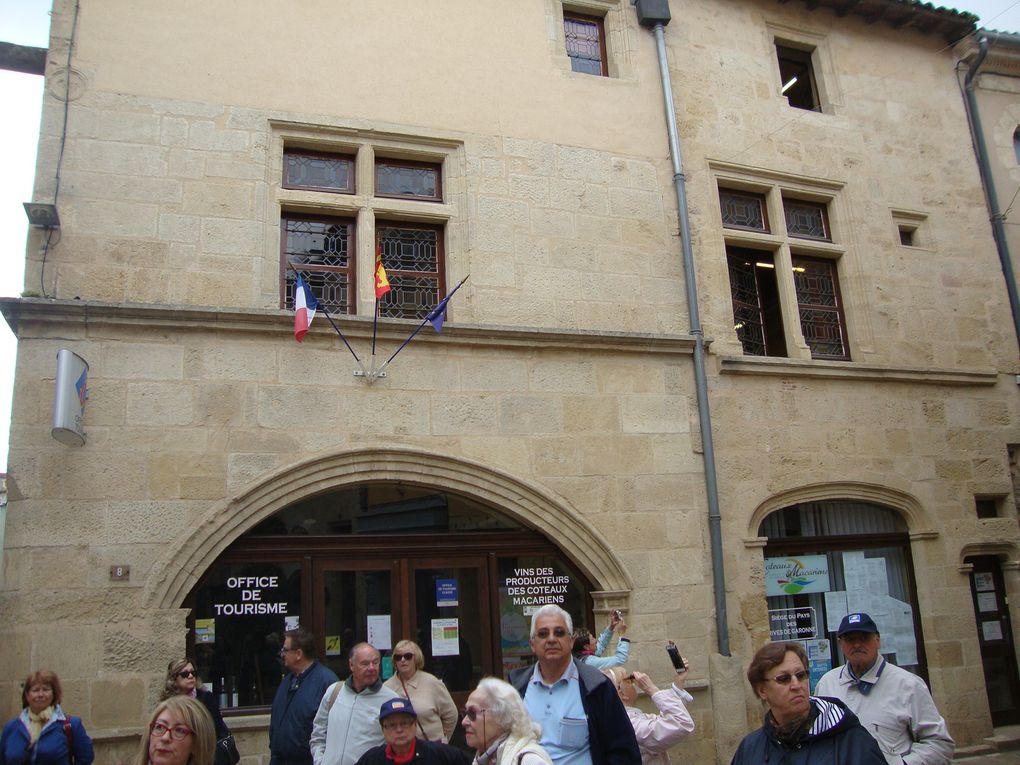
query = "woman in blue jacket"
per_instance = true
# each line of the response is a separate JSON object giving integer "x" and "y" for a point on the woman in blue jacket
{"x": 42, "y": 734}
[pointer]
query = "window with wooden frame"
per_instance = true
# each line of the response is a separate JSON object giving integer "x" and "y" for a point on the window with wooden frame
{"x": 322, "y": 248}
{"x": 797, "y": 74}
{"x": 412, "y": 255}
{"x": 757, "y": 315}
{"x": 586, "y": 43}
{"x": 408, "y": 179}
{"x": 318, "y": 171}
{"x": 744, "y": 210}
{"x": 820, "y": 307}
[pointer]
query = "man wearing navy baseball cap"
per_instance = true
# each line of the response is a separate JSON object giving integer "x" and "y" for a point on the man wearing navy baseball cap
{"x": 894, "y": 705}
{"x": 398, "y": 720}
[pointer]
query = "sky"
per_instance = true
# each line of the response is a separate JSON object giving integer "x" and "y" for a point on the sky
{"x": 26, "y": 22}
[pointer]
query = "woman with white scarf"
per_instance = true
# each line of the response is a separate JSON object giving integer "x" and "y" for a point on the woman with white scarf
{"x": 42, "y": 734}
{"x": 498, "y": 726}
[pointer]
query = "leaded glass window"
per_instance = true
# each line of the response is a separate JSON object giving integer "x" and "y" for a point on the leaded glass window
{"x": 821, "y": 311}
{"x": 757, "y": 317}
{"x": 743, "y": 210}
{"x": 408, "y": 179}
{"x": 806, "y": 220}
{"x": 586, "y": 47}
{"x": 322, "y": 249}
{"x": 318, "y": 171}
{"x": 413, "y": 259}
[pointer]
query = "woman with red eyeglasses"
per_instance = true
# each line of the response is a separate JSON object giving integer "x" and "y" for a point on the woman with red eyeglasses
{"x": 437, "y": 714}
{"x": 183, "y": 680}
{"x": 180, "y": 732}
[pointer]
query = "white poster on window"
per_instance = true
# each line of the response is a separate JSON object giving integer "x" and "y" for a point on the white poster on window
{"x": 445, "y": 637}
{"x": 991, "y": 630}
{"x": 379, "y": 632}
{"x": 985, "y": 600}
{"x": 835, "y": 609}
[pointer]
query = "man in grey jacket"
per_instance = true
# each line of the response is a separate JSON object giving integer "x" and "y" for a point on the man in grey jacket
{"x": 893, "y": 705}
{"x": 347, "y": 723}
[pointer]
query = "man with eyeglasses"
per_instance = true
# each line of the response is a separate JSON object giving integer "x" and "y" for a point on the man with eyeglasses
{"x": 297, "y": 699}
{"x": 399, "y": 722}
{"x": 583, "y": 720}
{"x": 346, "y": 724}
{"x": 894, "y": 705}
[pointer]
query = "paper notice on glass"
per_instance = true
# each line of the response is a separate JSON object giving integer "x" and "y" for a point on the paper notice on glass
{"x": 855, "y": 573}
{"x": 986, "y": 602}
{"x": 445, "y": 637}
{"x": 991, "y": 630}
{"x": 291, "y": 622}
{"x": 896, "y": 621}
{"x": 835, "y": 609}
{"x": 878, "y": 582}
{"x": 983, "y": 581}
{"x": 379, "y": 631}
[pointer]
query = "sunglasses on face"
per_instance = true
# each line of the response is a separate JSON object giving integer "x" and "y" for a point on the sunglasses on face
{"x": 403, "y": 656}
{"x": 187, "y": 673}
{"x": 786, "y": 679}
{"x": 543, "y": 633}
{"x": 471, "y": 713}
{"x": 177, "y": 732}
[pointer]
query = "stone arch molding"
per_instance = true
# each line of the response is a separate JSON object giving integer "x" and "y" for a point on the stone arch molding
{"x": 918, "y": 523}
{"x": 187, "y": 558}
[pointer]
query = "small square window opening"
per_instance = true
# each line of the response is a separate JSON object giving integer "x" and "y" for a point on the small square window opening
{"x": 907, "y": 235}
{"x": 986, "y": 507}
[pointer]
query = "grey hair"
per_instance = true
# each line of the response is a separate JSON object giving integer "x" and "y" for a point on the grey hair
{"x": 507, "y": 707}
{"x": 551, "y": 609}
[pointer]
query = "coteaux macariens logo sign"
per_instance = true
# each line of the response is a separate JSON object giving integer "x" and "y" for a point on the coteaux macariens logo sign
{"x": 793, "y": 576}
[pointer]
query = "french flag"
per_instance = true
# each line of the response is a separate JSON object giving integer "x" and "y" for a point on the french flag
{"x": 304, "y": 308}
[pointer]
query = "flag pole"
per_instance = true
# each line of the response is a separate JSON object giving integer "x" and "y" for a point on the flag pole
{"x": 424, "y": 321}
{"x": 332, "y": 323}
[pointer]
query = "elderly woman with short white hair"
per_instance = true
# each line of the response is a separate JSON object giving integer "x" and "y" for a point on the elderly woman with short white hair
{"x": 437, "y": 714}
{"x": 496, "y": 723}
{"x": 655, "y": 733}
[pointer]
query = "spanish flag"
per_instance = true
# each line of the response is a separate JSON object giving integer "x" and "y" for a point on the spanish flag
{"x": 382, "y": 282}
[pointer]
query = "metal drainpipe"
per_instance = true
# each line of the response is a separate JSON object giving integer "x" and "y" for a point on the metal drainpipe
{"x": 991, "y": 198}
{"x": 700, "y": 381}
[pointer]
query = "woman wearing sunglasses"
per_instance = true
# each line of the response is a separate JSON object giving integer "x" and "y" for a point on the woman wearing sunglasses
{"x": 496, "y": 723}
{"x": 180, "y": 732}
{"x": 800, "y": 728}
{"x": 437, "y": 714}
{"x": 183, "y": 680}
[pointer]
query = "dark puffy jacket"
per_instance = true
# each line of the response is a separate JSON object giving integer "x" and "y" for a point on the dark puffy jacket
{"x": 290, "y": 726}
{"x": 834, "y": 736}
{"x": 425, "y": 753}
{"x": 610, "y": 734}
{"x": 51, "y": 746}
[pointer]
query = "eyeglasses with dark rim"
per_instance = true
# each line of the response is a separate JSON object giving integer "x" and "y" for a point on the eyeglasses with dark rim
{"x": 543, "y": 633}
{"x": 786, "y": 678}
{"x": 187, "y": 673}
{"x": 177, "y": 732}
{"x": 403, "y": 657}
{"x": 471, "y": 713}
{"x": 287, "y": 650}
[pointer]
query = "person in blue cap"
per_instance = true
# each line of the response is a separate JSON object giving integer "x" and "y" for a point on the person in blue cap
{"x": 399, "y": 724}
{"x": 893, "y": 705}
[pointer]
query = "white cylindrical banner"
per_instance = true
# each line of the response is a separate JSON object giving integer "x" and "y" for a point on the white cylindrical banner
{"x": 69, "y": 394}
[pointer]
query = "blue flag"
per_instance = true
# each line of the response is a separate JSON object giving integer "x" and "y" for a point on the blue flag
{"x": 438, "y": 314}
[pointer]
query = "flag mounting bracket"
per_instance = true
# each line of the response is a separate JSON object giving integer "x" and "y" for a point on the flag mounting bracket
{"x": 370, "y": 375}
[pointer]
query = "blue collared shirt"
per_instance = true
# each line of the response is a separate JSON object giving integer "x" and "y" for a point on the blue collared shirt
{"x": 558, "y": 709}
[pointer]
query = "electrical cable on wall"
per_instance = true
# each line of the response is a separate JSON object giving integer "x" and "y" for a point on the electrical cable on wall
{"x": 63, "y": 141}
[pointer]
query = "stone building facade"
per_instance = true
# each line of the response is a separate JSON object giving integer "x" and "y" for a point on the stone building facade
{"x": 551, "y": 429}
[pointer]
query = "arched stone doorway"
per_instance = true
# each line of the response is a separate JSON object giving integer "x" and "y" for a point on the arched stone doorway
{"x": 409, "y": 544}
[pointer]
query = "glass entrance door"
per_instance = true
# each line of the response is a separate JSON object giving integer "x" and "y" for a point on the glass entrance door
{"x": 357, "y": 600}
{"x": 995, "y": 636}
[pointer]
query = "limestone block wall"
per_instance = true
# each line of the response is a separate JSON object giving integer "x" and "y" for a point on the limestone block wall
{"x": 181, "y": 421}
{"x": 924, "y": 448}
